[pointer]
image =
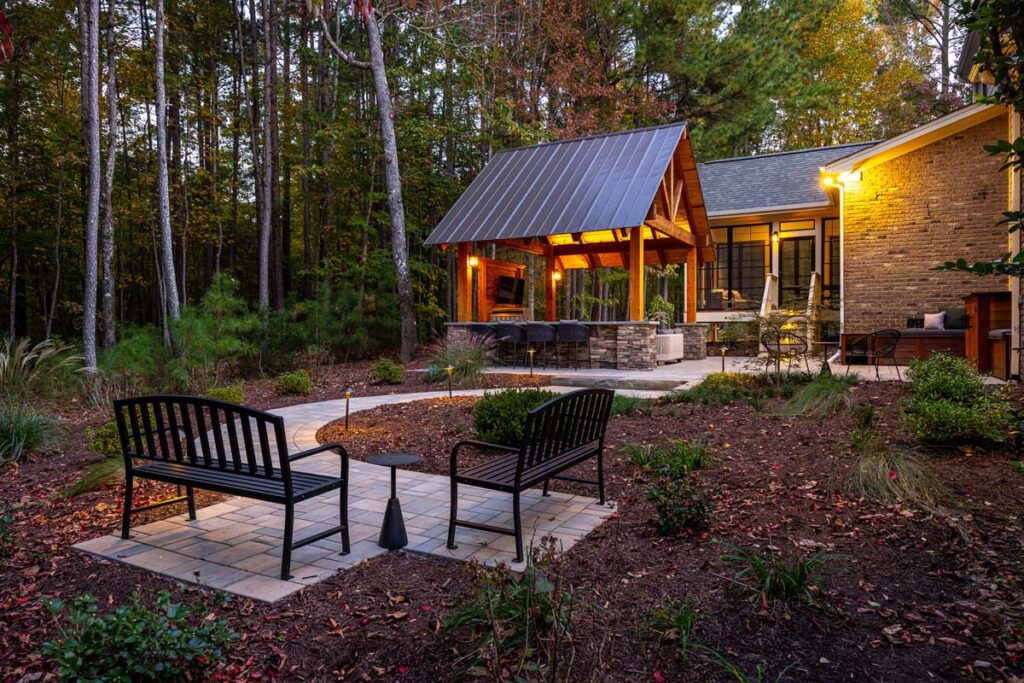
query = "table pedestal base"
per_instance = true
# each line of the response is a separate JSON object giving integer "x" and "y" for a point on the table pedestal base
{"x": 392, "y": 533}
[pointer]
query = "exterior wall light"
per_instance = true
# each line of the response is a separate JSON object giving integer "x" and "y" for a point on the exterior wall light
{"x": 474, "y": 261}
{"x": 556, "y": 276}
{"x": 775, "y": 237}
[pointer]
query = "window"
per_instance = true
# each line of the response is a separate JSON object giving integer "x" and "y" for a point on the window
{"x": 792, "y": 226}
{"x": 735, "y": 281}
{"x": 831, "y": 272}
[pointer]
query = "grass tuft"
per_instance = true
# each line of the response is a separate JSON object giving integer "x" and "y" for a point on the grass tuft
{"x": 775, "y": 577}
{"x": 100, "y": 473}
{"x": 24, "y": 431}
{"x": 673, "y": 458}
{"x": 826, "y": 395}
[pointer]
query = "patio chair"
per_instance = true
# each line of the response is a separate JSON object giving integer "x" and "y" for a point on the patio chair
{"x": 509, "y": 336}
{"x": 573, "y": 334}
{"x": 873, "y": 347}
{"x": 781, "y": 345}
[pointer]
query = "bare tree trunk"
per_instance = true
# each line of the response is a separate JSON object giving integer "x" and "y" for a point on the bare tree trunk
{"x": 268, "y": 165}
{"x": 166, "y": 245}
{"x": 307, "y": 254}
{"x": 109, "y": 321}
{"x": 89, "y": 19}
{"x": 392, "y": 176}
{"x": 393, "y": 180}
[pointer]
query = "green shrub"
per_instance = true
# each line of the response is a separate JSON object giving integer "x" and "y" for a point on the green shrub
{"x": 630, "y": 405}
{"x": 676, "y": 623}
{"x": 296, "y": 383}
{"x": 825, "y": 395}
{"x": 518, "y": 622}
{"x": 104, "y": 440}
{"x": 43, "y": 368}
{"x": 467, "y": 360}
{"x": 24, "y": 431}
{"x": 774, "y": 577}
{"x": 500, "y": 417}
{"x": 681, "y": 505}
{"x": 231, "y": 394}
{"x": 386, "y": 371}
{"x": 675, "y": 458}
{"x": 949, "y": 403}
{"x": 136, "y": 643}
{"x": 717, "y": 389}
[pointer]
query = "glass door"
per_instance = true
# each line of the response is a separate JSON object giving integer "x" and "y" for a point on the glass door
{"x": 796, "y": 263}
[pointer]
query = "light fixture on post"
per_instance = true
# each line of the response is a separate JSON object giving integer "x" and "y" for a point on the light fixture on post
{"x": 531, "y": 352}
{"x": 724, "y": 350}
{"x": 348, "y": 397}
{"x": 474, "y": 261}
{"x": 556, "y": 276}
{"x": 449, "y": 370}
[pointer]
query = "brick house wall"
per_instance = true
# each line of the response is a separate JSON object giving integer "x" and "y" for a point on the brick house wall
{"x": 914, "y": 212}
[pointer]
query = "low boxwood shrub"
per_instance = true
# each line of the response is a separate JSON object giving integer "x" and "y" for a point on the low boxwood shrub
{"x": 500, "y": 417}
{"x": 232, "y": 394}
{"x": 24, "y": 431}
{"x": 136, "y": 643}
{"x": 950, "y": 404}
{"x": 296, "y": 383}
{"x": 386, "y": 371}
{"x": 681, "y": 505}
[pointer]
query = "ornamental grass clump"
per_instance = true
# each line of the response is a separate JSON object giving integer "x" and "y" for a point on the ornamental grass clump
{"x": 500, "y": 417}
{"x": 630, "y": 405}
{"x": 949, "y": 404}
{"x": 136, "y": 643}
{"x": 466, "y": 359}
{"x": 774, "y": 577}
{"x": 677, "y": 623}
{"x": 676, "y": 458}
{"x": 24, "y": 431}
{"x": 44, "y": 368}
{"x": 823, "y": 397}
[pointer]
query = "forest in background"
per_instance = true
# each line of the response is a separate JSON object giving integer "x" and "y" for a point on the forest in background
{"x": 272, "y": 131}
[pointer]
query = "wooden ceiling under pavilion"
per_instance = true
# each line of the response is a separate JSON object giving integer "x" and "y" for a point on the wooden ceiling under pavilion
{"x": 579, "y": 200}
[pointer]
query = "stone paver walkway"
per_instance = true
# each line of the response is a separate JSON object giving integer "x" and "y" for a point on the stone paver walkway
{"x": 235, "y": 545}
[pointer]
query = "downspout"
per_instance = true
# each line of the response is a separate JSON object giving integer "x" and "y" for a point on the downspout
{"x": 1015, "y": 247}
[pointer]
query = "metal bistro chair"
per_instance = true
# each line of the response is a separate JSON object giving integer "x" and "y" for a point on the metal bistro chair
{"x": 874, "y": 347}
{"x": 574, "y": 334}
{"x": 509, "y": 336}
{"x": 541, "y": 333}
{"x": 786, "y": 346}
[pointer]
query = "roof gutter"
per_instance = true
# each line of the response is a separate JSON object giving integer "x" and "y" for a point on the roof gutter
{"x": 767, "y": 210}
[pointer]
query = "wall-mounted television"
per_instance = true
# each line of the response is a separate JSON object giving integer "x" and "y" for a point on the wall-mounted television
{"x": 510, "y": 290}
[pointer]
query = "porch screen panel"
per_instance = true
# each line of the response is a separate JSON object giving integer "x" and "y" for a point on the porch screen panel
{"x": 830, "y": 270}
{"x": 735, "y": 281}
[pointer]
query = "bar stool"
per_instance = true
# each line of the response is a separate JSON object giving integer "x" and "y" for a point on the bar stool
{"x": 483, "y": 330}
{"x": 541, "y": 333}
{"x": 573, "y": 333}
{"x": 509, "y": 336}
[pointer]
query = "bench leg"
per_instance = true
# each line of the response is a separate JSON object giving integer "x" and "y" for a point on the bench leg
{"x": 600, "y": 477}
{"x": 346, "y": 548}
{"x": 454, "y": 486}
{"x": 190, "y": 492}
{"x": 126, "y": 516}
{"x": 286, "y": 551}
{"x": 517, "y": 522}
{"x": 546, "y": 482}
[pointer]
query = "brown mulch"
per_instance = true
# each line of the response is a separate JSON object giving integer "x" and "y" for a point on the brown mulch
{"x": 909, "y": 597}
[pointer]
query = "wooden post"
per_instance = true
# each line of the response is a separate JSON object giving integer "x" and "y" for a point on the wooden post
{"x": 550, "y": 314}
{"x": 691, "y": 285}
{"x": 463, "y": 284}
{"x": 636, "y": 273}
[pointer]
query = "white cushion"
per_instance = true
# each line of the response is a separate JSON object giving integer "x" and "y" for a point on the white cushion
{"x": 935, "y": 321}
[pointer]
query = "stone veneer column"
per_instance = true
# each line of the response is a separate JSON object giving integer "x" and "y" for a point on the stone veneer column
{"x": 636, "y": 347}
{"x": 695, "y": 341}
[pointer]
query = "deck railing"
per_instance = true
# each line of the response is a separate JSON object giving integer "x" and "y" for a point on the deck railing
{"x": 771, "y": 294}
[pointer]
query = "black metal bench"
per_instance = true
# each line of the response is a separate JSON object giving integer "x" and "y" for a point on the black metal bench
{"x": 201, "y": 443}
{"x": 559, "y": 434}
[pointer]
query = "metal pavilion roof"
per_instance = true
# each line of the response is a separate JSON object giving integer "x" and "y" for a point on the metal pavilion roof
{"x": 570, "y": 186}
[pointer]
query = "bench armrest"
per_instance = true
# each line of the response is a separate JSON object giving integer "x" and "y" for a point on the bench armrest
{"x": 336, "y": 447}
{"x": 476, "y": 444}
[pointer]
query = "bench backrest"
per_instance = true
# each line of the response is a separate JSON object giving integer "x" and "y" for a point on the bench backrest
{"x": 203, "y": 432}
{"x": 573, "y": 422}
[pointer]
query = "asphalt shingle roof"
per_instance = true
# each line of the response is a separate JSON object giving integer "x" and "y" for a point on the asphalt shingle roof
{"x": 769, "y": 181}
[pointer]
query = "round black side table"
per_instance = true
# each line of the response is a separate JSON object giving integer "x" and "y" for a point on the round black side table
{"x": 392, "y": 533}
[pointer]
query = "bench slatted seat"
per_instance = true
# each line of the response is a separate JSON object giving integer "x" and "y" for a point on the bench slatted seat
{"x": 217, "y": 446}
{"x": 558, "y": 435}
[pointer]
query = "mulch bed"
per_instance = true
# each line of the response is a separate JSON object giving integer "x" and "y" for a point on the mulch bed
{"x": 909, "y": 597}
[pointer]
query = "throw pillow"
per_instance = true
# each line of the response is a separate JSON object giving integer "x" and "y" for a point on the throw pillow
{"x": 956, "y": 318}
{"x": 935, "y": 321}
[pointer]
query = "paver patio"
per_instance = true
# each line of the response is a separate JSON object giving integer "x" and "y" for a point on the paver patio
{"x": 235, "y": 545}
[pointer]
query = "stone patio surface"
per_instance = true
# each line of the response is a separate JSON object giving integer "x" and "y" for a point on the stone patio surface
{"x": 235, "y": 545}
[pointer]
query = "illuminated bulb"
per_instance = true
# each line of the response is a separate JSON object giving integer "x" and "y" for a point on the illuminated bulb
{"x": 474, "y": 261}
{"x": 556, "y": 276}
